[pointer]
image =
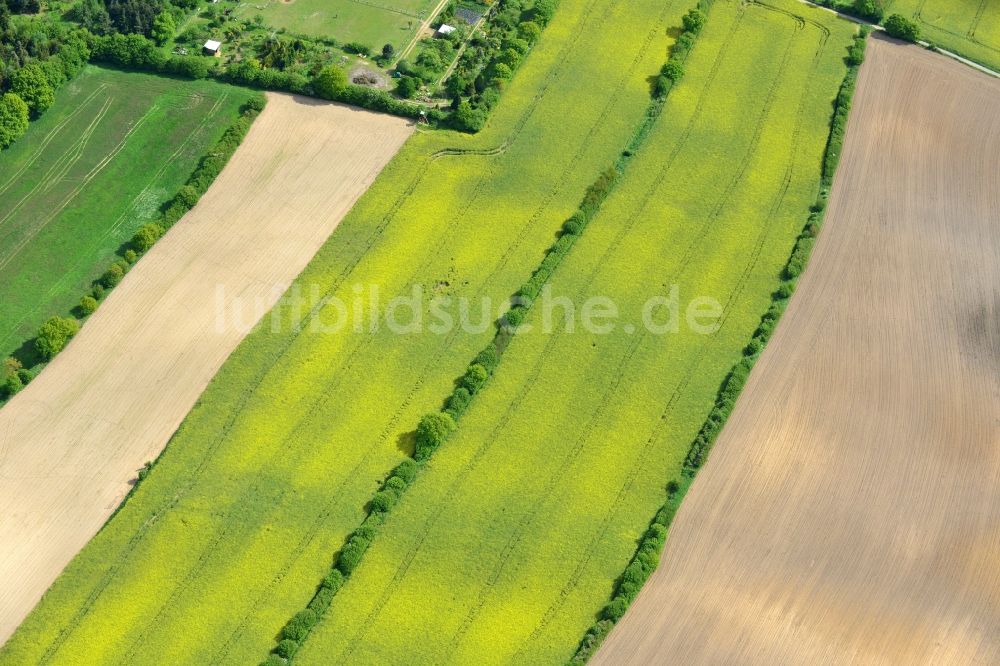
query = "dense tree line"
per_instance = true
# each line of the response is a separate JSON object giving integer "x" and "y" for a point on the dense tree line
{"x": 36, "y": 57}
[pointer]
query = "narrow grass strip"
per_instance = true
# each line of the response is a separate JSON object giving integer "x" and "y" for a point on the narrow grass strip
{"x": 647, "y": 554}
{"x": 435, "y": 428}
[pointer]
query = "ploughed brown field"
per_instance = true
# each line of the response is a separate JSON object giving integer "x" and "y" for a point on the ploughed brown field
{"x": 72, "y": 440}
{"x": 850, "y": 511}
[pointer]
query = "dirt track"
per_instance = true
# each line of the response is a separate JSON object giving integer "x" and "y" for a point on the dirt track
{"x": 850, "y": 511}
{"x": 73, "y": 439}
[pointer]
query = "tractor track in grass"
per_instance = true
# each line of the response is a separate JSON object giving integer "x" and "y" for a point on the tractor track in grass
{"x": 47, "y": 139}
{"x": 133, "y": 206}
{"x": 79, "y": 148}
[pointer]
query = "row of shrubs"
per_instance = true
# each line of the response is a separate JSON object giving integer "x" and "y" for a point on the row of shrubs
{"x": 434, "y": 428}
{"x": 647, "y": 555}
{"x": 56, "y": 332}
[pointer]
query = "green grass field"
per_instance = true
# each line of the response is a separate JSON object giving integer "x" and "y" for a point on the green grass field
{"x": 508, "y": 546}
{"x": 968, "y": 27}
{"x": 371, "y": 22}
{"x": 239, "y": 521}
{"x": 93, "y": 169}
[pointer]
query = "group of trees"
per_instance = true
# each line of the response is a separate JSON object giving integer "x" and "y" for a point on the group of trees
{"x": 897, "y": 25}
{"x": 36, "y": 57}
{"x": 489, "y": 61}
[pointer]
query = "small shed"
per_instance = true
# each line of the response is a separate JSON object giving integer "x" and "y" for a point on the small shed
{"x": 445, "y": 30}
{"x": 212, "y": 48}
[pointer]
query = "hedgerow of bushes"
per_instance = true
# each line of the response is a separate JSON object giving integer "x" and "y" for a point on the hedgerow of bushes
{"x": 647, "y": 555}
{"x": 435, "y": 428}
{"x": 56, "y": 333}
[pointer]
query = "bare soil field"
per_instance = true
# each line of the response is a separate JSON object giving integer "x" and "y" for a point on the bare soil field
{"x": 850, "y": 511}
{"x": 73, "y": 439}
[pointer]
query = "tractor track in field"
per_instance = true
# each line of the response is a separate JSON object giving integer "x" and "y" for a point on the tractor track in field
{"x": 48, "y": 184}
{"x": 859, "y": 499}
{"x": 62, "y": 281}
{"x": 47, "y": 139}
{"x": 387, "y": 431}
{"x": 572, "y": 457}
{"x": 483, "y": 449}
{"x": 661, "y": 424}
{"x": 316, "y": 309}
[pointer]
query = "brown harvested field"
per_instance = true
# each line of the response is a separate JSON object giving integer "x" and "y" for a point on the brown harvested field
{"x": 850, "y": 512}
{"x": 71, "y": 441}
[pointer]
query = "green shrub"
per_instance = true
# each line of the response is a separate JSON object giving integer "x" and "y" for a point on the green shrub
{"x": 673, "y": 70}
{"x": 406, "y": 470}
{"x": 383, "y": 501}
{"x": 475, "y": 378}
{"x": 274, "y": 660}
{"x": 131, "y": 256}
{"x": 113, "y": 275}
{"x": 351, "y": 554}
{"x": 575, "y": 224}
{"x": 900, "y": 27}
{"x": 458, "y": 402}
{"x": 146, "y": 236}
{"x": 616, "y": 609}
{"x": 322, "y": 600}
{"x": 88, "y": 304}
{"x": 331, "y": 82}
{"x": 54, "y": 334}
{"x": 334, "y": 580}
{"x": 432, "y": 430}
{"x": 299, "y": 626}
{"x": 489, "y": 358}
{"x": 287, "y": 648}
{"x": 14, "y": 115}
{"x": 694, "y": 21}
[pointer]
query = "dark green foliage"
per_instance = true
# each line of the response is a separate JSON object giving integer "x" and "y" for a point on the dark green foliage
{"x": 489, "y": 358}
{"x": 33, "y": 87}
{"x": 331, "y": 82}
{"x": 112, "y": 276}
{"x": 694, "y": 21}
{"x": 900, "y": 27}
{"x": 575, "y": 224}
{"x": 333, "y": 581}
{"x": 870, "y": 10}
{"x": 287, "y": 648}
{"x": 406, "y": 470}
{"x": 351, "y": 553}
{"x": 299, "y": 626}
{"x": 383, "y": 501}
{"x": 322, "y": 600}
{"x": 407, "y": 87}
{"x": 274, "y": 660}
{"x": 432, "y": 430}
{"x": 458, "y": 402}
{"x": 475, "y": 377}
